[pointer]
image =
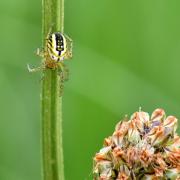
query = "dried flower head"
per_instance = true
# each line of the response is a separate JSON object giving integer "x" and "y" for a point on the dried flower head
{"x": 143, "y": 147}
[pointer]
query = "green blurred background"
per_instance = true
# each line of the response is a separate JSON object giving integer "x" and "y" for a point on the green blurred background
{"x": 126, "y": 55}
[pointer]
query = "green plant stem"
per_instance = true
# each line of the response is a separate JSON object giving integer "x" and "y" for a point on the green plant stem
{"x": 52, "y": 148}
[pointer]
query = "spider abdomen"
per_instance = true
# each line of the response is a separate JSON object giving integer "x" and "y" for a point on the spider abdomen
{"x": 56, "y": 46}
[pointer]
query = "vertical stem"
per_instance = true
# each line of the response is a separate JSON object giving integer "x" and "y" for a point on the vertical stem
{"x": 52, "y": 149}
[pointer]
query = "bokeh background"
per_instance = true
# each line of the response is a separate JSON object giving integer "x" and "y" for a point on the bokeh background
{"x": 126, "y": 55}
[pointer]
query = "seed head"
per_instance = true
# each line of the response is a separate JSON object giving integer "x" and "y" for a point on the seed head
{"x": 141, "y": 147}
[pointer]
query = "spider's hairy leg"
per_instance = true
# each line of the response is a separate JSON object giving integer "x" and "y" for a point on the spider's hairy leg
{"x": 40, "y": 52}
{"x": 37, "y": 69}
{"x": 69, "y": 47}
{"x": 64, "y": 71}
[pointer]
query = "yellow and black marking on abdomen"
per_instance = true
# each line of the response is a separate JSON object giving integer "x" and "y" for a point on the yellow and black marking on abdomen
{"x": 56, "y": 46}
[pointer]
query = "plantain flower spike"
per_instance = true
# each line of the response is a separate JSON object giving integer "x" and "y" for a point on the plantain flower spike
{"x": 141, "y": 148}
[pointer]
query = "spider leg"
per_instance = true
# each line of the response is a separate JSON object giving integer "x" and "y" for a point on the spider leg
{"x": 37, "y": 69}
